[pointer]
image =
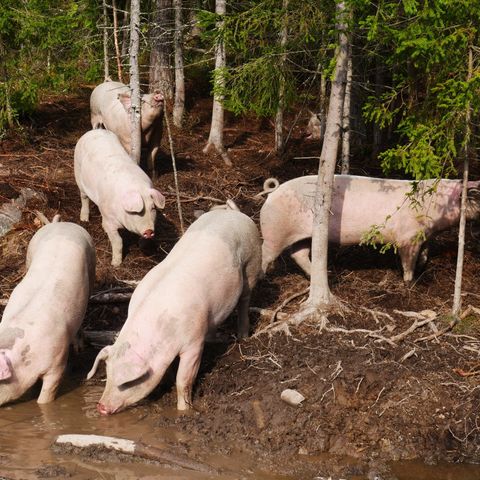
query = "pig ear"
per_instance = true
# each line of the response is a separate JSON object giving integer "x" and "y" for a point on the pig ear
{"x": 102, "y": 355}
{"x": 158, "y": 198}
{"x": 132, "y": 202}
{"x": 132, "y": 368}
{"x": 126, "y": 101}
{"x": 5, "y": 369}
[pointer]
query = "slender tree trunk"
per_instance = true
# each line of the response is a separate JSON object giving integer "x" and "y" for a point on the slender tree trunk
{"x": 135, "y": 113}
{"x": 179, "y": 104}
{"x": 161, "y": 76}
{"x": 215, "y": 139}
{"x": 106, "y": 72}
{"x": 279, "y": 138}
{"x": 377, "y": 133}
{"x": 115, "y": 38}
{"x": 320, "y": 294}
{"x": 461, "y": 231}
{"x": 126, "y": 30}
{"x": 346, "y": 118}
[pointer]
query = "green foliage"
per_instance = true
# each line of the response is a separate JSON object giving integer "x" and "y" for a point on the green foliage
{"x": 425, "y": 47}
{"x": 257, "y": 62}
{"x": 43, "y": 45}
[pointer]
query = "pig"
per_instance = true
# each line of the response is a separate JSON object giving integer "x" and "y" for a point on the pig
{"x": 358, "y": 204}
{"x": 122, "y": 191}
{"x": 110, "y": 105}
{"x": 316, "y": 126}
{"x": 45, "y": 310}
{"x": 210, "y": 270}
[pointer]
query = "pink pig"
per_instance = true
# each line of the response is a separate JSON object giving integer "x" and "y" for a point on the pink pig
{"x": 122, "y": 191}
{"x": 358, "y": 204}
{"x": 45, "y": 310}
{"x": 110, "y": 104}
{"x": 211, "y": 269}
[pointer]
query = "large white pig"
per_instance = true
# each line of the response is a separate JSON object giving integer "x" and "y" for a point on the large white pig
{"x": 122, "y": 191}
{"x": 45, "y": 310}
{"x": 211, "y": 269}
{"x": 358, "y": 205}
{"x": 110, "y": 105}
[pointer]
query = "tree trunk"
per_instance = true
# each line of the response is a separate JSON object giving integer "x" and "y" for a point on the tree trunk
{"x": 135, "y": 112}
{"x": 345, "y": 168}
{"x": 115, "y": 38}
{"x": 457, "y": 299}
{"x": 179, "y": 104}
{"x": 215, "y": 139}
{"x": 319, "y": 290}
{"x": 279, "y": 140}
{"x": 126, "y": 30}
{"x": 377, "y": 132}
{"x": 161, "y": 76}
{"x": 106, "y": 72}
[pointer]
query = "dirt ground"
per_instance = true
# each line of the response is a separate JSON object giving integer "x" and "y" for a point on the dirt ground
{"x": 367, "y": 399}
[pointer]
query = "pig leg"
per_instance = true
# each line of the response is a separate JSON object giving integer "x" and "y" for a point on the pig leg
{"x": 243, "y": 326}
{"x": 269, "y": 254}
{"x": 301, "y": 255}
{"x": 85, "y": 210}
{"x": 50, "y": 380}
{"x": 186, "y": 374}
{"x": 408, "y": 255}
{"x": 116, "y": 242}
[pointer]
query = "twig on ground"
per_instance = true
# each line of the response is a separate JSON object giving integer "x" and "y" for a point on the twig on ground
{"x": 111, "y": 297}
{"x": 431, "y": 315}
{"x": 287, "y": 301}
{"x": 265, "y": 312}
{"x": 189, "y": 198}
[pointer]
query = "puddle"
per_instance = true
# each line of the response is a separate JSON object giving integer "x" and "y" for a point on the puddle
{"x": 27, "y": 430}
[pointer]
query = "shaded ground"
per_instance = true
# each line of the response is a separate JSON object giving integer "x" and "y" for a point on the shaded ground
{"x": 366, "y": 399}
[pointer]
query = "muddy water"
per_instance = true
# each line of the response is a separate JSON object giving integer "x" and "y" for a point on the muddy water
{"x": 27, "y": 431}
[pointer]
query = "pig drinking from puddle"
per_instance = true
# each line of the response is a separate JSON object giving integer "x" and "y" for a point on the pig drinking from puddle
{"x": 211, "y": 269}
{"x": 110, "y": 105}
{"x": 45, "y": 310}
{"x": 122, "y": 191}
{"x": 358, "y": 204}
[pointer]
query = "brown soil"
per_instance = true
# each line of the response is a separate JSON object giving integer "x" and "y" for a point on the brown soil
{"x": 365, "y": 399}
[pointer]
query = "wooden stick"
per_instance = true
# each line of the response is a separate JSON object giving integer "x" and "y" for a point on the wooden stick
{"x": 136, "y": 449}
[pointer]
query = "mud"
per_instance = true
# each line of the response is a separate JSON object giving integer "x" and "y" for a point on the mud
{"x": 401, "y": 410}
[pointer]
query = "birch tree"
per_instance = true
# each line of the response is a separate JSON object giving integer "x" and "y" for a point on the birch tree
{"x": 345, "y": 161}
{"x": 320, "y": 295}
{"x": 115, "y": 39}
{"x": 135, "y": 109}
{"x": 106, "y": 72}
{"x": 215, "y": 139}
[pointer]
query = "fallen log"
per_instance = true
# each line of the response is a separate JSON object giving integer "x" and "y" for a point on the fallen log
{"x": 136, "y": 449}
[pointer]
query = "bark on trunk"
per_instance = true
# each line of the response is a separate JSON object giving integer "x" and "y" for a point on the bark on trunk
{"x": 279, "y": 139}
{"x": 106, "y": 72}
{"x": 135, "y": 112}
{"x": 179, "y": 104}
{"x": 345, "y": 168}
{"x": 161, "y": 75}
{"x": 126, "y": 31}
{"x": 115, "y": 38}
{"x": 319, "y": 290}
{"x": 215, "y": 139}
{"x": 457, "y": 295}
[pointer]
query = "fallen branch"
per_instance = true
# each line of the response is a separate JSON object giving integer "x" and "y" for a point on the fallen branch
{"x": 136, "y": 449}
{"x": 100, "y": 339}
{"x": 189, "y": 198}
{"x": 265, "y": 312}
{"x": 431, "y": 315}
{"x": 111, "y": 297}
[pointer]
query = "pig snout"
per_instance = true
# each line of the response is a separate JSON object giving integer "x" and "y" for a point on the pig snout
{"x": 148, "y": 233}
{"x": 102, "y": 409}
{"x": 158, "y": 97}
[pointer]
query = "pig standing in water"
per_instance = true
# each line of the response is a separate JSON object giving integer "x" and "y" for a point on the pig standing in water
{"x": 110, "y": 105}
{"x": 358, "y": 204}
{"x": 45, "y": 310}
{"x": 122, "y": 191}
{"x": 213, "y": 267}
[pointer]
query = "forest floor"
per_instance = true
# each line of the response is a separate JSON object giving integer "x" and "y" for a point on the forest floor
{"x": 367, "y": 399}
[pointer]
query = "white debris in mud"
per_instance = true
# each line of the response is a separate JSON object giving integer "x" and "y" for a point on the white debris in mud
{"x": 292, "y": 397}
